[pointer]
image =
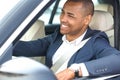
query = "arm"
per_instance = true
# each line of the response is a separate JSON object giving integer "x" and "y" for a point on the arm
{"x": 31, "y": 48}
{"x": 105, "y": 66}
{"x": 107, "y": 59}
{"x": 101, "y": 67}
{"x": 34, "y": 48}
{"x": 105, "y": 55}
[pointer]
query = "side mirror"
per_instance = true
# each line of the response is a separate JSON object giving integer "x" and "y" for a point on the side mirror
{"x": 22, "y": 68}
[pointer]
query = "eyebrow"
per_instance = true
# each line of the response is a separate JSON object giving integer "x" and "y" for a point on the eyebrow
{"x": 68, "y": 13}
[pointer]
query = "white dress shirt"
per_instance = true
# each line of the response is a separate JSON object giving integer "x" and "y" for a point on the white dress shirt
{"x": 67, "y": 48}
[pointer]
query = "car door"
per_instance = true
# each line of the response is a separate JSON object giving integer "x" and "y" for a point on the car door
{"x": 13, "y": 24}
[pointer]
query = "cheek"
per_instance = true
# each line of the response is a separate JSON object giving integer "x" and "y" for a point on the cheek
{"x": 77, "y": 26}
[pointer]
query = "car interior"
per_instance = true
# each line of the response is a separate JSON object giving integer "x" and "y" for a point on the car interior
{"x": 105, "y": 18}
{"x": 102, "y": 20}
{"x": 36, "y": 31}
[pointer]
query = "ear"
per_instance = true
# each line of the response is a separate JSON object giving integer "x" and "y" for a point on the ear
{"x": 88, "y": 19}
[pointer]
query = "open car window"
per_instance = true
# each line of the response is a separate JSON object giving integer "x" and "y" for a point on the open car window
{"x": 13, "y": 24}
{"x": 17, "y": 20}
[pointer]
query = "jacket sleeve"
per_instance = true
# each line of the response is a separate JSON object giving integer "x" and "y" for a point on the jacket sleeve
{"x": 107, "y": 60}
{"x": 108, "y": 65}
{"x": 31, "y": 48}
{"x": 34, "y": 48}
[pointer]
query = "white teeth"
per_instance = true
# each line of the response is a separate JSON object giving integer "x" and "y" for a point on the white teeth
{"x": 64, "y": 26}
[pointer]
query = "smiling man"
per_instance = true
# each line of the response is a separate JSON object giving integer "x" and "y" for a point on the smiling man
{"x": 74, "y": 50}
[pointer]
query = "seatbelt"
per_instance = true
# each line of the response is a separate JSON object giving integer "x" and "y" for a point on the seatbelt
{"x": 64, "y": 57}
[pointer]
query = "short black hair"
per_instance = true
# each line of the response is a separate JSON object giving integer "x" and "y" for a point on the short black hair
{"x": 88, "y": 5}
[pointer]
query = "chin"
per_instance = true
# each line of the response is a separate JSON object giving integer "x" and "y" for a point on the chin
{"x": 63, "y": 32}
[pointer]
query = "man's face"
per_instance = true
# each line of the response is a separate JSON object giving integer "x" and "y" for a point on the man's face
{"x": 73, "y": 21}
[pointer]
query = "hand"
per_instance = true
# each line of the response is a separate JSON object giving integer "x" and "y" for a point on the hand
{"x": 66, "y": 74}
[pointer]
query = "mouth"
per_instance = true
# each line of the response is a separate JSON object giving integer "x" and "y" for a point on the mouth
{"x": 64, "y": 26}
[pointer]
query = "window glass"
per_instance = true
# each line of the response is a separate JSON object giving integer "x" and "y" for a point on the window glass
{"x": 46, "y": 15}
{"x": 57, "y": 15}
{"x": 6, "y": 6}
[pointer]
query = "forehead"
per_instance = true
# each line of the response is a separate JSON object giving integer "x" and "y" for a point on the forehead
{"x": 73, "y": 6}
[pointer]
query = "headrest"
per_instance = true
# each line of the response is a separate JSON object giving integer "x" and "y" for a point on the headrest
{"x": 105, "y": 7}
{"x": 101, "y": 20}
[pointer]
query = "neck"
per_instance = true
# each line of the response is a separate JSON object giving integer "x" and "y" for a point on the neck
{"x": 73, "y": 37}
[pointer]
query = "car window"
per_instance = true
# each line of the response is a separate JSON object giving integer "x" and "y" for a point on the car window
{"x": 56, "y": 17}
{"x": 46, "y": 15}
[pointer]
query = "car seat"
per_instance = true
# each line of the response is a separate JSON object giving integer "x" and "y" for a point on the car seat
{"x": 103, "y": 20}
{"x": 36, "y": 31}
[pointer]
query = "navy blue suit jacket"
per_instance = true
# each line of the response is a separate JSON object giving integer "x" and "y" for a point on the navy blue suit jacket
{"x": 97, "y": 54}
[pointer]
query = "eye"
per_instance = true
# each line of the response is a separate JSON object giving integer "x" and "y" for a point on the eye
{"x": 71, "y": 16}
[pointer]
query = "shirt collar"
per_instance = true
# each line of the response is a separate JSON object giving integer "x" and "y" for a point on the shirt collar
{"x": 76, "y": 41}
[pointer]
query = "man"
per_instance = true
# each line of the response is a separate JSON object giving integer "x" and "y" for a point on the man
{"x": 93, "y": 58}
